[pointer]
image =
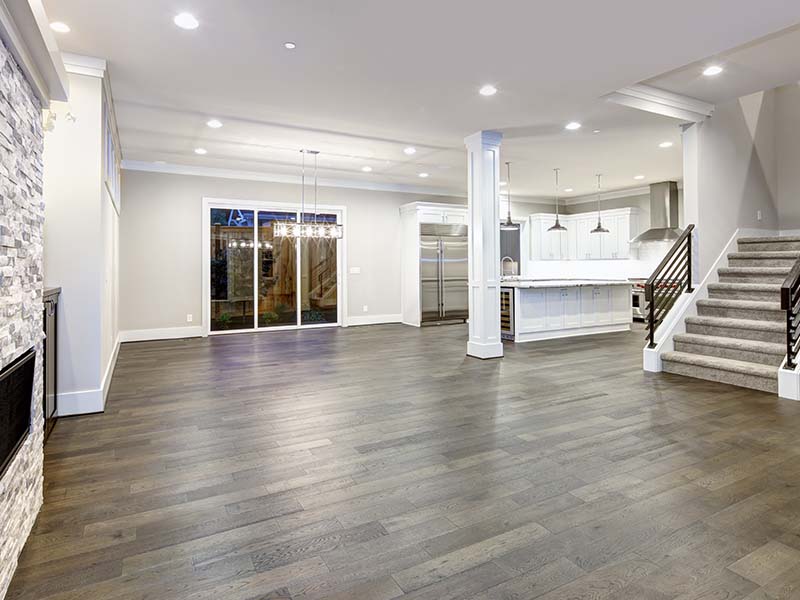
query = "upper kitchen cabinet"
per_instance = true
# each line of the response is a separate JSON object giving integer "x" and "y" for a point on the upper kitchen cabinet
{"x": 578, "y": 242}
{"x": 428, "y": 212}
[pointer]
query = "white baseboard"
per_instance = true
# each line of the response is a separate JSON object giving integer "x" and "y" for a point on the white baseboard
{"x": 167, "y": 333}
{"x": 81, "y": 403}
{"x": 373, "y": 320}
{"x": 485, "y": 351}
{"x": 790, "y": 231}
{"x": 112, "y": 363}
{"x": 88, "y": 402}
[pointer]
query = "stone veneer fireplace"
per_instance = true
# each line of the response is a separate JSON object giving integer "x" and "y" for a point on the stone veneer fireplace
{"x": 21, "y": 281}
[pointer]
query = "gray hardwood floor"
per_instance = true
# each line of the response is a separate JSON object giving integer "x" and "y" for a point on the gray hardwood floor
{"x": 399, "y": 468}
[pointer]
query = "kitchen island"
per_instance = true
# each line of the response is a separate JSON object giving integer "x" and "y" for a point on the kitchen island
{"x": 542, "y": 309}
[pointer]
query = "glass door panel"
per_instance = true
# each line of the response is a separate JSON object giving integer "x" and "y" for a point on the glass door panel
{"x": 319, "y": 274}
{"x": 232, "y": 265}
{"x": 277, "y": 272}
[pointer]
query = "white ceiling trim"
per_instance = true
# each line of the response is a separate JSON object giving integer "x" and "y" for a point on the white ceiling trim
{"x": 84, "y": 65}
{"x": 177, "y": 169}
{"x": 654, "y": 100}
{"x": 637, "y": 191}
{"x": 26, "y": 33}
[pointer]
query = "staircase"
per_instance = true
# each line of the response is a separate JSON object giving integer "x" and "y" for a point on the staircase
{"x": 739, "y": 335}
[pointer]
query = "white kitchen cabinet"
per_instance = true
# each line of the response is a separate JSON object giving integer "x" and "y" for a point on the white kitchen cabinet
{"x": 563, "y": 308}
{"x": 542, "y": 313}
{"x": 548, "y": 245}
{"x": 578, "y": 242}
{"x": 596, "y": 305}
{"x": 456, "y": 217}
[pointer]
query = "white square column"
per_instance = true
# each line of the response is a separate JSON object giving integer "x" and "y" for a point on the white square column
{"x": 483, "y": 194}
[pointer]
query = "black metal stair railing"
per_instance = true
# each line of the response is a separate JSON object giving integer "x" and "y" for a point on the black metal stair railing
{"x": 790, "y": 302}
{"x": 672, "y": 277}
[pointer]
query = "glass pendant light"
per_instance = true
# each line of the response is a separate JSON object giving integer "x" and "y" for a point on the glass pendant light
{"x": 557, "y": 226}
{"x": 509, "y": 225}
{"x": 599, "y": 228}
{"x": 305, "y": 229}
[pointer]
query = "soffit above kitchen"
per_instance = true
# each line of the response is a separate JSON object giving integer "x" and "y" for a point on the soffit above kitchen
{"x": 368, "y": 79}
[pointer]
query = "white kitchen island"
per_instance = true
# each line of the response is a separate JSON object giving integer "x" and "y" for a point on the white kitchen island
{"x": 543, "y": 309}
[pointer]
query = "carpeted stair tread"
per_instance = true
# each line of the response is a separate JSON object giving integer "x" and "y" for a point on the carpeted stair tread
{"x": 746, "y": 287}
{"x": 732, "y": 343}
{"x": 767, "y": 254}
{"x": 722, "y": 364}
{"x": 740, "y": 304}
{"x": 738, "y": 323}
{"x": 761, "y": 240}
{"x": 754, "y": 270}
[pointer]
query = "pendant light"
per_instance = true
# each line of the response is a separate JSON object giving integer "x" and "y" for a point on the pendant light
{"x": 599, "y": 228}
{"x": 305, "y": 229}
{"x": 557, "y": 226}
{"x": 509, "y": 225}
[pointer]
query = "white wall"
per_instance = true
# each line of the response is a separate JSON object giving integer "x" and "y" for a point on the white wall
{"x": 161, "y": 239}
{"x": 72, "y": 232}
{"x": 736, "y": 173}
{"x": 80, "y": 248}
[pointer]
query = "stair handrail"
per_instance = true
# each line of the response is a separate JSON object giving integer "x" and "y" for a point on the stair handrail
{"x": 790, "y": 302}
{"x": 675, "y": 269}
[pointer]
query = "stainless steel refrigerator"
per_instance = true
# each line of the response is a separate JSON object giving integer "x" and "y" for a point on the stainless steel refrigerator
{"x": 443, "y": 273}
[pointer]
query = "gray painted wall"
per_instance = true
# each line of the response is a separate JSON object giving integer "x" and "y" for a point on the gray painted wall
{"x": 161, "y": 237}
{"x": 787, "y": 115}
{"x": 736, "y": 174}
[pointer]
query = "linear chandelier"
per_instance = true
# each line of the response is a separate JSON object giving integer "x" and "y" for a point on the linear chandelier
{"x": 304, "y": 229}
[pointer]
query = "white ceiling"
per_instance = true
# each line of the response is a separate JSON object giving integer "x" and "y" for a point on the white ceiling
{"x": 763, "y": 64}
{"x": 369, "y": 78}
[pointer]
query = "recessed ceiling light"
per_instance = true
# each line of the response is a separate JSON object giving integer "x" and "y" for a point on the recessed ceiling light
{"x": 60, "y": 27}
{"x": 488, "y": 90}
{"x": 638, "y": 177}
{"x": 665, "y": 145}
{"x": 712, "y": 70}
{"x": 424, "y": 175}
{"x": 596, "y": 131}
{"x": 289, "y": 45}
{"x": 366, "y": 169}
{"x": 200, "y": 151}
{"x": 214, "y": 123}
{"x": 572, "y": 126}
{"x": 186, "y": 20}
{"x": 568, "y": 190}
{"x": 410, "y": 150}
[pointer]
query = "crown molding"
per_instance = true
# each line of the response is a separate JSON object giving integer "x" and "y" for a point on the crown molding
{"x": 178, "y": 169}
{"x": 26, "y": 33}
{"x": 79, "y": 64}
{"x": 661, "y": 102}
{"x": 612, "y": 195}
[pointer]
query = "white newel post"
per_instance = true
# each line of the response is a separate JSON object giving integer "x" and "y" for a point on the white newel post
{"x": 483, "y": 189}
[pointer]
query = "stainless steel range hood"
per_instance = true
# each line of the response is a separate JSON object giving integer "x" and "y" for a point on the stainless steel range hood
{"x": 663, "y": 214}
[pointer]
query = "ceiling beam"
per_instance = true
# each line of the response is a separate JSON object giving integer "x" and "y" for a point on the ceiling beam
{"x": 661, "y": 102}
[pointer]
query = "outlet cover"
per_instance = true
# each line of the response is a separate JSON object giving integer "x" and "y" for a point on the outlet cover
{"x": 758, "y": 215}
{"x": 355, "y": 270}
{"x": 366, "y": 308}
{"x": 189, "y": 318}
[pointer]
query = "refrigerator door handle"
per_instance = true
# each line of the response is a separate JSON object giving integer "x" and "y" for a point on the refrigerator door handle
{"x": 441, "y": 279}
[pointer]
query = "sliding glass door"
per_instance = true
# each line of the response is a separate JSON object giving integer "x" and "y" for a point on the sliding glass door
{"x": 259, "y": 281}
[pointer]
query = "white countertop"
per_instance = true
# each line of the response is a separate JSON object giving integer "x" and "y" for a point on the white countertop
{"x": 517, "y": 282}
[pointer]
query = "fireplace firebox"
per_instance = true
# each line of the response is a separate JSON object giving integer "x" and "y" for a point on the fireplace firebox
{"x": 16, "y": 394}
